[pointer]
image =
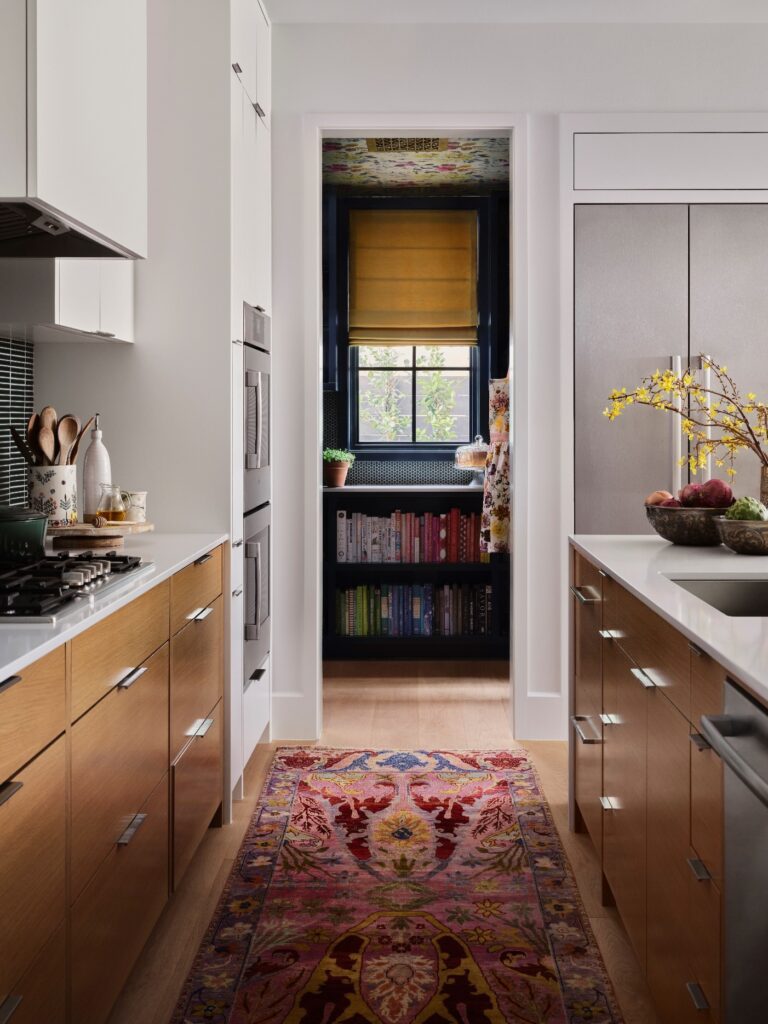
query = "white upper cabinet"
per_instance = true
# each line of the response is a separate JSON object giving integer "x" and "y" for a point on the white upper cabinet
{"x": 68, "y": 299}
{"x": 73, "y": 120}
{"x": 251, "y": 53}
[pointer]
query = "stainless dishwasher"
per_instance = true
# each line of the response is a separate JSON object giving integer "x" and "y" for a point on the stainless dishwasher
{"x": 740, "y": 738}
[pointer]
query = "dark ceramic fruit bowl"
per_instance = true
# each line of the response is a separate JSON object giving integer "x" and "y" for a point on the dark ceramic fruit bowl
{"x": 693, "y": 527}
{"x": 744, "y": 536}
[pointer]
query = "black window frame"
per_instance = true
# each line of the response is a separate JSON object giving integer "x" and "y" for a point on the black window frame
{"x": 489, "y": 356}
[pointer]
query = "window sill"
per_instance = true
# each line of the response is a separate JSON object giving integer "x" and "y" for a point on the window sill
{"x": 443, "y": 454}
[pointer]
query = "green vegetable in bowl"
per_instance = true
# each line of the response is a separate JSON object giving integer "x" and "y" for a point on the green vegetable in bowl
{"x": 747, "y": 508}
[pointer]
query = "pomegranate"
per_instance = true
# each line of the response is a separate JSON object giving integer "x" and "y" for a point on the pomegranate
{"x": 716, "y": 494}
{"x": 690, "y": 496}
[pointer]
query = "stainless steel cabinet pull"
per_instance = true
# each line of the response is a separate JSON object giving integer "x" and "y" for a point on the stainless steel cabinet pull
{"x": 204, "y": 558}
{"x": 576, "y": 721}
{"x": 260, "y": 111}
{"x": 611, "y": 634}
{"x": 8, "y": 683}
{"x": 608, "y": 719}
{"x": 136, "y": 822}
{"x": 640, "y": 675}
{"x": 696, "y": 993}
{"x": 203, "y": 614}
{"x": 237, "y": 543}
{"x": 695, "y": 649}
{"x": 699, "y": 869}
{"x": 131, "y": 678}
{"x": 9, "y": 789}
{"x": 8, "y": 1008}
{"x": 206, "y": 725}
{"x": 257, "y": 675}
{"x": 698, "y": 741}
{"x": 237, "y": 69}
{"x": 238, "y": 592}
{"x": 578, "y": 593}
{"x": 605, "y": 803}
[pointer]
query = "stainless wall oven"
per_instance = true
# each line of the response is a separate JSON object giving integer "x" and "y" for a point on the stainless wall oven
{"x": 258, "y": 567}
{"x": 256, "y": 406}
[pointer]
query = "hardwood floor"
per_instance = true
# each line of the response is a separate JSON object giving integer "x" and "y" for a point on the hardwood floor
{"x": 406, "y": 706}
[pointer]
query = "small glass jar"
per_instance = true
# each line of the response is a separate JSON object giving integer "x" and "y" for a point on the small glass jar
{"x": 471, "y": 457}
{"x": 111, "y": 504}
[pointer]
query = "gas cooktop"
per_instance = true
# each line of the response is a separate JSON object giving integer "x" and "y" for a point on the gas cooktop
{"x": 43, "y": 592}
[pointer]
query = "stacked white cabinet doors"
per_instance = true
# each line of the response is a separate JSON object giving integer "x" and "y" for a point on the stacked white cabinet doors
{"x": 251, "y": 255}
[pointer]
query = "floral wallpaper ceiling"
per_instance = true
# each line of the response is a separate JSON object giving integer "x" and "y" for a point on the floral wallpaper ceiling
{"x": 447, "y": 163}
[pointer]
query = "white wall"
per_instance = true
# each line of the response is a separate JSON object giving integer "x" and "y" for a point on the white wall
{"x": 543, "y": 70}
{"x": 165, "y": 400}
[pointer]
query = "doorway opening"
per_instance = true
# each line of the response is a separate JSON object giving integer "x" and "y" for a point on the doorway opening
{"x": 416, "y": 541}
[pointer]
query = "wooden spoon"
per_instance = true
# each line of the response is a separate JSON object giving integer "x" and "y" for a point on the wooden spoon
{"x": 33, "y": 429}
{"x": 47, "y": 441}
{"x": 67, "y": 430}
{"x": 48, "y": 417}
{"x": 76, "y": 445}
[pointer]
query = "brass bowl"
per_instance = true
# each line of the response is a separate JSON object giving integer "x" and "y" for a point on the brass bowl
{"x": 744, "y": 536}
{"x": 693, "y": 527}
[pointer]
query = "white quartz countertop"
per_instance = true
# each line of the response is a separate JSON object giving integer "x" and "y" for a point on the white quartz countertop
{"x": 20, "y": 645}
{"x": 644, "y": 566}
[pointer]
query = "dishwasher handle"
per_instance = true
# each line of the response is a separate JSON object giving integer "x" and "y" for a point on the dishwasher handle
{"x": 717, "y": 729}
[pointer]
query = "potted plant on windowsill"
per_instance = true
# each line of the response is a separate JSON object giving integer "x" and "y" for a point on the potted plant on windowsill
{"x": 336, "y": 463}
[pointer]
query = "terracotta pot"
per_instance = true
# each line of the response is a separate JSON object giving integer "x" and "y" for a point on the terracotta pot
{"x": 335, "y": 473}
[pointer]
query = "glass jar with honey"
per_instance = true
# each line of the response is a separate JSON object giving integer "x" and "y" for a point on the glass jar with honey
{"x": 111, "y": 504}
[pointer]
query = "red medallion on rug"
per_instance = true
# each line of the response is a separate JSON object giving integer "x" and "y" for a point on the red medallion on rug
{"x": 383, "y": 887}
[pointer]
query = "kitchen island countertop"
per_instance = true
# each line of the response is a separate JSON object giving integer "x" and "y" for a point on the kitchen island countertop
{"x": 20, "y": 645}
{"x": 644, "y": 566}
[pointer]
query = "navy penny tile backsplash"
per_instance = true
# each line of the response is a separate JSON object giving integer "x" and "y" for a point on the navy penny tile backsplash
{"x": 16, "y": 397}
{"x": 393, "y": 471}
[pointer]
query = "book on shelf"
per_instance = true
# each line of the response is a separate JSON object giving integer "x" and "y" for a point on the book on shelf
{"x": 415, "y": 610}
{"x": 409, "y": 538}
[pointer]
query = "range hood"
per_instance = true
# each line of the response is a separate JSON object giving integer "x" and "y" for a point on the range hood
{"x": 31, "y": 231}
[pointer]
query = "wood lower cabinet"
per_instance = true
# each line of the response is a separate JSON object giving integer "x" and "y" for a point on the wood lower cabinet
{"x": 119, "y": 754}
{"x": 32, "y": 861}
{"x": 194, "y": 588}
{"x": 32, "y": 711}
{"x": 624, "y": 785}
{"x": 196, "y": 783}
{"x": 41, "y": 995}
{"x": 112, "y": 919}
{"x": 662, "y": 827}
{"x": 197, "y": 672}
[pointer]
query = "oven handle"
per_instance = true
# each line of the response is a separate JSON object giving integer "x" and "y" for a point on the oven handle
{"x": 717, "y": 728}
{"x": 253, "y": 382}
{"x": 253, "y": 553}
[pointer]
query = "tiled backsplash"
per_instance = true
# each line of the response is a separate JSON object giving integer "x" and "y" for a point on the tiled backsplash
{"x": 16, "y": 397}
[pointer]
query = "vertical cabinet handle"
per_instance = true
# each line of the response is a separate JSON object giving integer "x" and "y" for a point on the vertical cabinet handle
{"x": 4, "y": 687}
{"x": 696, "y": 993}
{"x": 8, "y": 1008}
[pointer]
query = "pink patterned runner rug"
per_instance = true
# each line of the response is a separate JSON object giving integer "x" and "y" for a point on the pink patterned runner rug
{"x": 384, "y": 887}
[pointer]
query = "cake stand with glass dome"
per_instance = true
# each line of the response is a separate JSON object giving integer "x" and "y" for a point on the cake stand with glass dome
{"x": 471, "y": 459}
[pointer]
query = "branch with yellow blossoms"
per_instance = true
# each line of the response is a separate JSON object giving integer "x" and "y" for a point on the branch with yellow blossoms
{"x": 716, "y": 420}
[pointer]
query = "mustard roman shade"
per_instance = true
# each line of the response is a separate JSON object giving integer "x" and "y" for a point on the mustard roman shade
{"x": 413, "y": 277}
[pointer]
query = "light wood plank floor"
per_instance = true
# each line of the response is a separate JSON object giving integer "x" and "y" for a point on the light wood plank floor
{"x": 406, "y": 706}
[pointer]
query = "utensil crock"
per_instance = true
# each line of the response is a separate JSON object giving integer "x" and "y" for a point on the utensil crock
{"x": 53, "y": 491}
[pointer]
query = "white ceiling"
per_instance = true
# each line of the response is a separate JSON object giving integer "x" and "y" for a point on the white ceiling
{"x": 518, "y": 11}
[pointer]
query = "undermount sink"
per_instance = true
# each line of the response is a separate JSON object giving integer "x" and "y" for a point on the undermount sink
{"x": 731, "y": 597}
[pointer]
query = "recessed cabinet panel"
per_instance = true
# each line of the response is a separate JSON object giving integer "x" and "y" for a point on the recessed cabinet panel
{"x": 32, "y": 711}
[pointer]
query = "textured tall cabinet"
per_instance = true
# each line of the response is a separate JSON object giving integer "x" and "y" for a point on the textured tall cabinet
{"x": 652, "y": 282}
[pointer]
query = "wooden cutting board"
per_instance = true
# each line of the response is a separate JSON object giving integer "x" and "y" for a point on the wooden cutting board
{"x": 88, "y": 530}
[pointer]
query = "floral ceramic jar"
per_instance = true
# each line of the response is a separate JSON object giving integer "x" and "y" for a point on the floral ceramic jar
{"x": 53, "y": 491}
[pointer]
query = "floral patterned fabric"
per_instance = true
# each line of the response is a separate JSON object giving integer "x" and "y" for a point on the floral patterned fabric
{"x": 399, "y": 888}
{"x": 494, "y": 522}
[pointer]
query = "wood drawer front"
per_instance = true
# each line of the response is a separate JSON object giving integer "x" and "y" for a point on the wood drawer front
{"x": 587, "y": 644}
{"x": 588, "y": 775}
{"x": 107, "y": 652}
{"x": 32, "y": 711}
{"x": 43, "y": 989}
{"x": 707, "y": 685}
{"x": 197, "y": 673}
{"x": 32, "y": 858}
{"x": 194, "y": 588}
{"x": 119, "y": 755}
{"x": 112, "y": 919}
{"x": 197, "y": 792}
{"x": 706, "y": 943}
{"x": 656, "y": 647}
{"x": 707, "y": 822}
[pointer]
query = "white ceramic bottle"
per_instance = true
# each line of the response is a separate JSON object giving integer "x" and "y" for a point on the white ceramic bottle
{"x": 96, "y": 471}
